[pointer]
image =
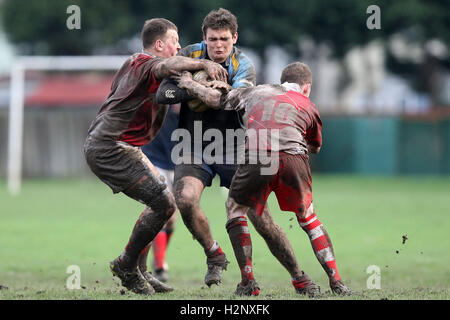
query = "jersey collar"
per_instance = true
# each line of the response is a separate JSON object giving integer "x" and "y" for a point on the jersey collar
{"x": 290, "y": 86}
{"x": 147, "y": 53}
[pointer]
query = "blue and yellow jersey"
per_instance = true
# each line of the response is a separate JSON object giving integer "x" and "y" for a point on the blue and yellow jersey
{"x": 241, "y": 72}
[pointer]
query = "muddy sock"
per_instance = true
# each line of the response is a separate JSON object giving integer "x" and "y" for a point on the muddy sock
{"x": 321, "y": 244}
{"x": 214, "y": 251}
{"x": 238, "y": 232}
{"x": 142, "y": 259}
{"x": 144, "y": 231}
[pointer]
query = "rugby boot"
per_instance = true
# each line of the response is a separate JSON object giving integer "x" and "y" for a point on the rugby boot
{"x": 249, "y": 289}
{"x": 132, "y": 280}
{"x": 156, "y": 284}
{"x": 305, "y": 286}
{"x": 339, "y": 288}
{"x": 216, "y": 264}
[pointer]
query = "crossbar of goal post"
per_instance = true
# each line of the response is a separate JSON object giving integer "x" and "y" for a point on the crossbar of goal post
{"x": 17, "y": 99}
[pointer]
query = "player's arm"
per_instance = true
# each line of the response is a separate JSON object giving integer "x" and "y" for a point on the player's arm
{"x": 211, "y": 95}
{"x": 314, "y": 133}
{"x": 314, "y": 139}
{"x": 169, "y": 93}
{"x": 215, "y": 94}
{"x": 173, "y": 66}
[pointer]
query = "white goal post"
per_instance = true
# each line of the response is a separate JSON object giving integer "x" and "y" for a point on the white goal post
{"x": 17, "y": 99}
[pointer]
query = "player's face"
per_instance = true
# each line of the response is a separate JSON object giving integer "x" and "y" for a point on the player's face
{"x": 219, "y": 43}
{"x": 170, "y": 44}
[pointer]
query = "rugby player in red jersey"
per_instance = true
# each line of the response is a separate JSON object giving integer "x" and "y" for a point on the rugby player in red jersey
{"x": 129, "y": 119}
{"x": 283, "y": 126}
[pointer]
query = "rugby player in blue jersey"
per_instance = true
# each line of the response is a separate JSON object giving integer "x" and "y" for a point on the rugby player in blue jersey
{"x": 191, "y": 177}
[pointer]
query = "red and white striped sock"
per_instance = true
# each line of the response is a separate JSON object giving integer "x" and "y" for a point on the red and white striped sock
{"x": 321, "y": 244}
{"x": 239, "y": 234}
{"x": 214, "y": 251}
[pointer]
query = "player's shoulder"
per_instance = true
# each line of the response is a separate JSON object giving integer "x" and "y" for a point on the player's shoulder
{"x": 241, "y": 69}
{"x": 239, "y": 54}
{"x": 270, "y": 89}
{"x": 294, "y": 92}
{"x": 310, "y": 107}
{"x": 307, "y": 103}
{"x": 258, "y": 92}
{"x": 195, "y": 50}
{"x": 240, "y": 60}
{"x": 140, "y": 59}
{"x": 313, "y": 106}
{"x": 140, "y": 56}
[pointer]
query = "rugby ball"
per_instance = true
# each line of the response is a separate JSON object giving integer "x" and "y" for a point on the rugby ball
{"x": 197, "y": 105}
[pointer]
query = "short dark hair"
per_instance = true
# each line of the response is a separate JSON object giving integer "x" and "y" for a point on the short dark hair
{"x": 220, "y": 19}
{"x": 296, "y": 72}
{"x": 155, "y": 28}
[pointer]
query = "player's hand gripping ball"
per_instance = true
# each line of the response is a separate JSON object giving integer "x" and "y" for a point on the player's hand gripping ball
{"x": 197, "y": 105}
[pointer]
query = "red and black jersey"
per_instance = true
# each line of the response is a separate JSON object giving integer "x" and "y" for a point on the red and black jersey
{"x": 130, "y": 113}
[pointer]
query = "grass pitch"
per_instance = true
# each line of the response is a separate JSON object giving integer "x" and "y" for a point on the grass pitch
{"x": 54, "y": 224}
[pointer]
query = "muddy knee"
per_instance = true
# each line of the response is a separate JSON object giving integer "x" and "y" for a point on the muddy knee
{"x": 186, "y": 199}
{"x": 153, "y": 193}
{"x": 164, "y": 203}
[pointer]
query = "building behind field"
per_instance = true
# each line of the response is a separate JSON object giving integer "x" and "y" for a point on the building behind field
{"x": 383, "y": 94}
{"x": 59, "y": 108}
